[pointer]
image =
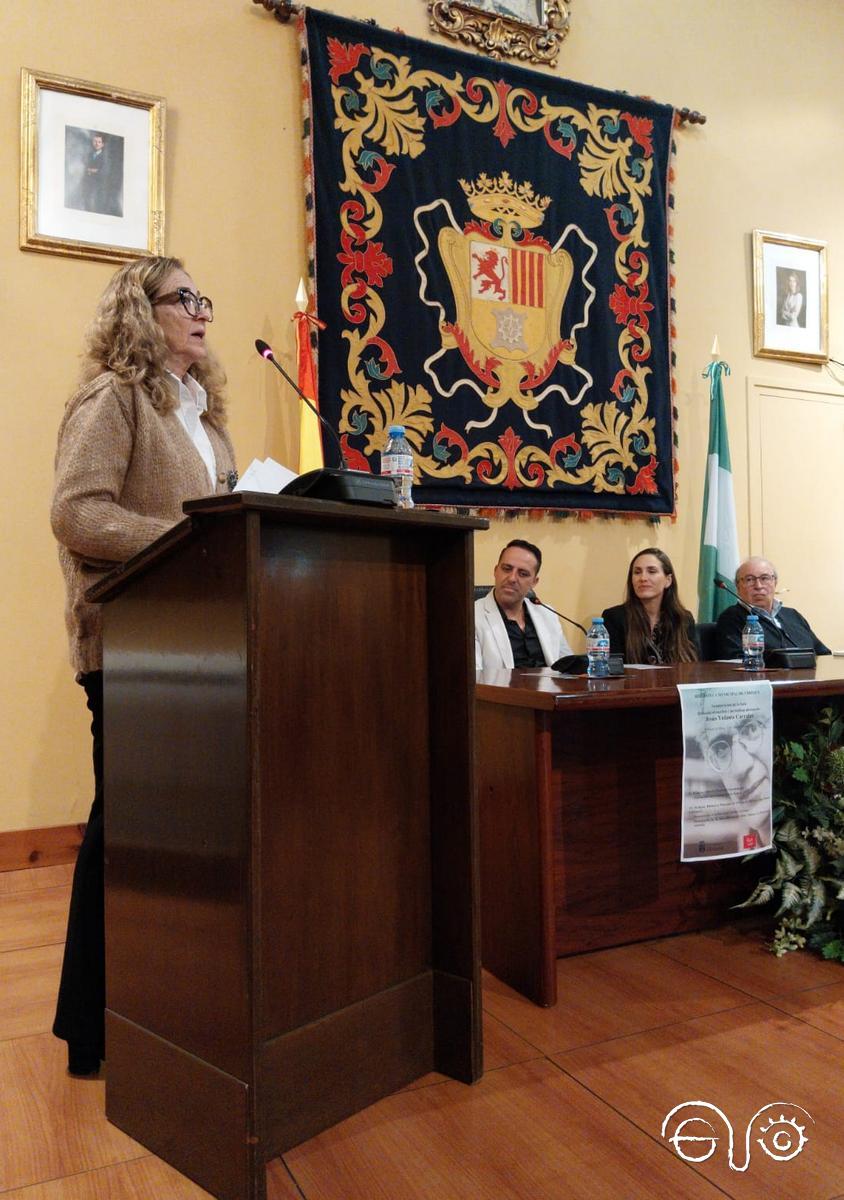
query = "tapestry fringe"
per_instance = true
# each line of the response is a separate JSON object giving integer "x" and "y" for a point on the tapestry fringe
{"x": 539, "y": 514}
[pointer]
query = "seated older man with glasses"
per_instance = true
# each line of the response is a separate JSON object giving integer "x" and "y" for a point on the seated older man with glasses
{"x": 756, "y": 581}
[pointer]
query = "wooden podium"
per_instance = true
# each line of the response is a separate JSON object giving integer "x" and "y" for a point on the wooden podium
{"x": 291, "y": 832}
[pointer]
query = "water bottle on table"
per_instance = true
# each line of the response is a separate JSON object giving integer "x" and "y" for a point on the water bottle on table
{"x": 597, "y": 649}
{"x": 753, "y": 644}
{"x": 397, "y": 462}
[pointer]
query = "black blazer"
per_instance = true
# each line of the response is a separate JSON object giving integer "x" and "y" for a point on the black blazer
{"x": 794, "y": 627}
{"x": 615, "y": 619}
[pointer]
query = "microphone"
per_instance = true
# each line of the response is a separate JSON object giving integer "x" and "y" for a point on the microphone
{"x": 534, "y": 599}
{"x": 796, "y": 658}
{"x": 575, "y": 664}
{"x": 266, "y": 351}
{"x": 761, "y": 613}
{"x": 719, "y": 583}
{"x": 333, "y": 483}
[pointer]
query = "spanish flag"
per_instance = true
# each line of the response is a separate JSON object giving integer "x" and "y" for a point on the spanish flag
{"x": 310, "y": 441}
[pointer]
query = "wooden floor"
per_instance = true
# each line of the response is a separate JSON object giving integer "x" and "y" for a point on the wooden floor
{"x": 570, "y": 1107}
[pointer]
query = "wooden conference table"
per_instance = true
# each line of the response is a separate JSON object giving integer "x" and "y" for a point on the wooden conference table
{"x": 579, "y": 787}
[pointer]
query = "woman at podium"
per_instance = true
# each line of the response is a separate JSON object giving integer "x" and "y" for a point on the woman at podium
{"x": 652, "y": 625}
{"x": 144, "y": 431}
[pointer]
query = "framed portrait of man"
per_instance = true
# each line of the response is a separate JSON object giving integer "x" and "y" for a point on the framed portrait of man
{"x": 92, "y": 169}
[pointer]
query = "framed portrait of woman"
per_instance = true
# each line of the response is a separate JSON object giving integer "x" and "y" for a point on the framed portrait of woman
{"x": 790, "y": 319}
{"x": 92, "y": 169}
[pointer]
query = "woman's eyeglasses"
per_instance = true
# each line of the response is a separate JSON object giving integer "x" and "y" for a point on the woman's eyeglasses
{"x": 194, "y": 306}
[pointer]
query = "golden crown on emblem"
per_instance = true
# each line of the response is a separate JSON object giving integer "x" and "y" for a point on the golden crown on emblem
{"x": 503, "y": 198}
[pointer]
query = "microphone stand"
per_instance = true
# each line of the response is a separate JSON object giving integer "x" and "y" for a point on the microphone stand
{"x": 576, "y": 664}
{"x": 795, "y": 659}
{"x": 332, "y": 483}
{"x": 534, "y": 599}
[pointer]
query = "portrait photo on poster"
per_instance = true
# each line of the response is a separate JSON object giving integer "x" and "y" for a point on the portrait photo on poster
{"x": 92, "y": 169}
{"x": 727, "y": 769}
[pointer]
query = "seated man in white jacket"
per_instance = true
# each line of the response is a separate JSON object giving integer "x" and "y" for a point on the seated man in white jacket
{"x": 508, "y": 632}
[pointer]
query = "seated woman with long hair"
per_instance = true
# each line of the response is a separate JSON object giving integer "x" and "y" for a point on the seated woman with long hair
{"x": 652, "y": 625}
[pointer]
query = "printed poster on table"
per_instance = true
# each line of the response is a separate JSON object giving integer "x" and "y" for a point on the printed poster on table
{"x": 727, "y": 769}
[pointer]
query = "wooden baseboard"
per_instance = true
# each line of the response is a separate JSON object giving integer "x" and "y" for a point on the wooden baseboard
{"x": 24, "y": 848}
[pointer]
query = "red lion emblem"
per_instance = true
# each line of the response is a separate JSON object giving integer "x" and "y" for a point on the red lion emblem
{"x": 486, "y": 272}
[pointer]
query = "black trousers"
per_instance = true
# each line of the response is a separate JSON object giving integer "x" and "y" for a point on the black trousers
{"x": 80, "y": 1011}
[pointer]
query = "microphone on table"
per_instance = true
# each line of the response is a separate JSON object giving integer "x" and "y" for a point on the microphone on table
{"x": 796, "y": 658}
{"x": 575, "y": 664}
{"x": 332, "y": 483}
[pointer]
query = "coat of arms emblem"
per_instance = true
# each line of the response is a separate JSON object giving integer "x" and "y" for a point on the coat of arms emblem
{"x": 509, "y": 287}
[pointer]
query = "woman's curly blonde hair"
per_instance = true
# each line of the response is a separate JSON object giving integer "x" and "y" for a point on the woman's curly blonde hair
{"x": 124, "y": 337}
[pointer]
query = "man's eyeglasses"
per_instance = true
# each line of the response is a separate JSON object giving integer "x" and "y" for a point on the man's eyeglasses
{"x": 749, "y": 580}
{"x": 719, "y": 751}
{"x": 194, "y": 306}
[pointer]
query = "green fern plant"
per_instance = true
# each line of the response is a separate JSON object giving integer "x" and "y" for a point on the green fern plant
{"x": 808, "y": 876}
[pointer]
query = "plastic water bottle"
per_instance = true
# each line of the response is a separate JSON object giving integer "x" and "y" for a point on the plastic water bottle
{"x": 397, "y": 462}
{"x": 597, "y": 649}
{"x": 753, "y": 644}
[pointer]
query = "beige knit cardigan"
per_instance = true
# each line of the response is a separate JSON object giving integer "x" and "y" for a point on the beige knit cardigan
{"x": 123, "y": 470}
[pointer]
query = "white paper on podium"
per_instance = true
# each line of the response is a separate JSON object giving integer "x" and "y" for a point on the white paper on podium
{"x": 266, "y": 476}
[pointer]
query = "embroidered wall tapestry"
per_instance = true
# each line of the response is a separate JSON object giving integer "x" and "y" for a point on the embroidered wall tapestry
{"x": 492, "y": 265}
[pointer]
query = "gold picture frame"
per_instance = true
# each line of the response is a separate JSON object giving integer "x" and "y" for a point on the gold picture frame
{"x": 527, "y": 30}
{"x": 92, "y": 169}
{"x": 790, "y": 314}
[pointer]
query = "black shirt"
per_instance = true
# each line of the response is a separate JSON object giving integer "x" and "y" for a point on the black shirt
{"x": 527, "y": 652}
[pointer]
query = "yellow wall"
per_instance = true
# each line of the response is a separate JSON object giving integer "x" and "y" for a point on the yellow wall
{"x": 767, "y": 74}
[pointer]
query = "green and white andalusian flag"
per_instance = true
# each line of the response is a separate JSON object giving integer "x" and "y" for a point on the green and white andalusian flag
{"x": 719, "y": 557}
